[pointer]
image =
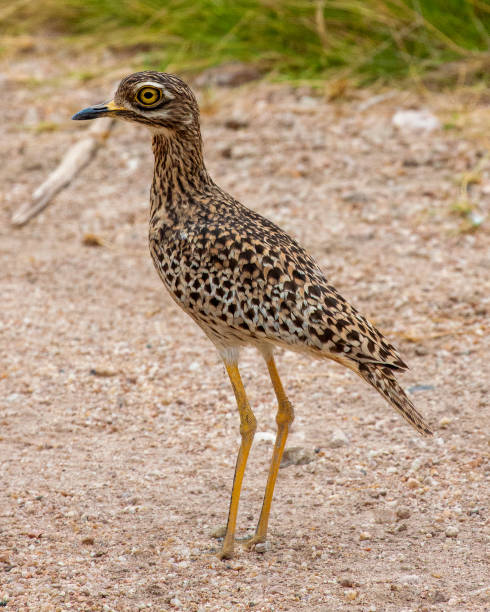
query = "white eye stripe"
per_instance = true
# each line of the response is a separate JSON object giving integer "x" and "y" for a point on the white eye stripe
{"x": 166, "y": 94}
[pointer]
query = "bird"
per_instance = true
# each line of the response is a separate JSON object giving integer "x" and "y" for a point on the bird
{"x": 241, "y": 278}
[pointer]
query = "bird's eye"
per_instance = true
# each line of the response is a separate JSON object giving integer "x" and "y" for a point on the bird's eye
{"x": 149, "y": 96}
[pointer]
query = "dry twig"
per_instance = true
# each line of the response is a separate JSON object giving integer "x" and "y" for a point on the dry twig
{"x": 77, "y": 157}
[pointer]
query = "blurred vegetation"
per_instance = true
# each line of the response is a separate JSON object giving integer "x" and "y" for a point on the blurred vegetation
{"x": 366, "y": 40}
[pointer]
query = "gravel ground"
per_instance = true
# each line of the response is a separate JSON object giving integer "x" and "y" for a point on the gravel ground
{"x": 118, "y": 429}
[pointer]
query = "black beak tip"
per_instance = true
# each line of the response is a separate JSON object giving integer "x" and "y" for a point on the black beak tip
{"x": 89, "y": 113}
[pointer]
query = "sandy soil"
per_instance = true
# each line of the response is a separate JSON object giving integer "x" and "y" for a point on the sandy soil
{"x": 118, "y": 429}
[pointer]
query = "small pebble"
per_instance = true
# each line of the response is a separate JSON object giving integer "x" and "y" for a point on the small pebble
{"x": 346, "y": 582}
{"x": 297, "y": 455}
{"x": 416, "y": 464}
{"x": 452, "y": 531}
{"x": 218, "y": 533}
{"x": 355, "y": 197}
{"x": 440, "y": 597}
{"x": 235, "y": 565}
{"x": 445, "y": 421}
{"x": 88, "y": 540}
{"x": 384, "y": 515}
{"x": 102, "y": 371}
{"x": 412, "y": 483}
{"x": 410, "y": 120}
{"x": 338, "y": 439}
{"x": 402, "y": 512}
{"x": 416, "y": 388}
{"x": 265, "y": 436}
{"x": 92, "y": 240}
{"x": 351, "y": 595}
{"x": 410, "y": 579}
{"x": 262, "y": 547}
{"x": 236, "y": 123}
{"x": 364, "y": 535}
{"x": 243, "y": 151}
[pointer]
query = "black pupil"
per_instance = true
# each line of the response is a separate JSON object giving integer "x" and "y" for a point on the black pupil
{"x": 148, "y": 95}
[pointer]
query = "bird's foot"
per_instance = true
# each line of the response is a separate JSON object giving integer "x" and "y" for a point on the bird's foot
{"x": 223, "y": 555}
{"x": 228, "y": 546}
{"x": 251, "y": 543}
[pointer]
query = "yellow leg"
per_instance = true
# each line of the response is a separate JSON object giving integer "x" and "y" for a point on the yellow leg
{"x": 248, "y": 425}
{"x": 284, "y": 418}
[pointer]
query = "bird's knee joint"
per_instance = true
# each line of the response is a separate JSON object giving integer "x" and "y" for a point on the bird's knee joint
{"x": 248, "y": 427}
{"x": 285, "y": 414}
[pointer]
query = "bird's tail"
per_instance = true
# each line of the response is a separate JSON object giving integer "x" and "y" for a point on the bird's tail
{"x": 381, "y": 377}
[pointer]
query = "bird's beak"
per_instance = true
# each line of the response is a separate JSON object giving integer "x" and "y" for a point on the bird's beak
{"x": 99, "y": 110}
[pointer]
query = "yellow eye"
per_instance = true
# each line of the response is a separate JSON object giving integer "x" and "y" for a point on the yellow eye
{"x": 149, "y": 96}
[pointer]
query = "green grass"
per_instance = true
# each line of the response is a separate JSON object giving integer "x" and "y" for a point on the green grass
{"x": 365, "y": 40}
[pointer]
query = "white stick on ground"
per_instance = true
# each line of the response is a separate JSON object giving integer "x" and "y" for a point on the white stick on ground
{"x": 77, "y": 157}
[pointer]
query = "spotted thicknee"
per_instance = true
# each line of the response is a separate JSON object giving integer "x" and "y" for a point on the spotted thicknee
{"x": 241, "y": 278}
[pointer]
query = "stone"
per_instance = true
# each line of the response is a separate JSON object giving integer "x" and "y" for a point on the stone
{"x": 262, "y": 547}
{"x": 297, "y": 455}
{"x": 416, "y": 464}
{"x": 412, "y": 483}
{"x": 440, "y": 597}
{"x": 452, "y": 531}
{"x": 351, "y": 594}
{"x": 338, "y": 439}
{"x": 102, "y": 371}
{"x": 218, "y": 533}
{"x": 236, "y": 123}
{"x": 384, "y": 516}
{"x": 355, "y": 197}
{"x": 416, "y": 121}
{"x": 402, "y": 512}
{"x": 264, "y": 436}
{"x": 444, "y": 422}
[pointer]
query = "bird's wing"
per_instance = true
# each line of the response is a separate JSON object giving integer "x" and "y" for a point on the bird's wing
{"x": 307, "y": 309}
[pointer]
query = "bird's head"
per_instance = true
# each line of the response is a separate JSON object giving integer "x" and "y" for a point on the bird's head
{"x": 162, "y": 102}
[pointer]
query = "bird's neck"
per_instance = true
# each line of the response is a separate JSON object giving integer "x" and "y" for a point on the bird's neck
{"x": 179, "y": 175}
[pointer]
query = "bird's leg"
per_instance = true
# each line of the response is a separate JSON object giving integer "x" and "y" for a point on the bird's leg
{"x": 248, "y": 425}
{"x": 284, "y": 418}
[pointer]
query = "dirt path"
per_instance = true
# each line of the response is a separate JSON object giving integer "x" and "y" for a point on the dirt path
{"x": 118, "y": 430}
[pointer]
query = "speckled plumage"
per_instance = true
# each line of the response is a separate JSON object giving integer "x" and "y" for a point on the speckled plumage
{"x": 245, "y": 281}
{"x": 241, "y": 278}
